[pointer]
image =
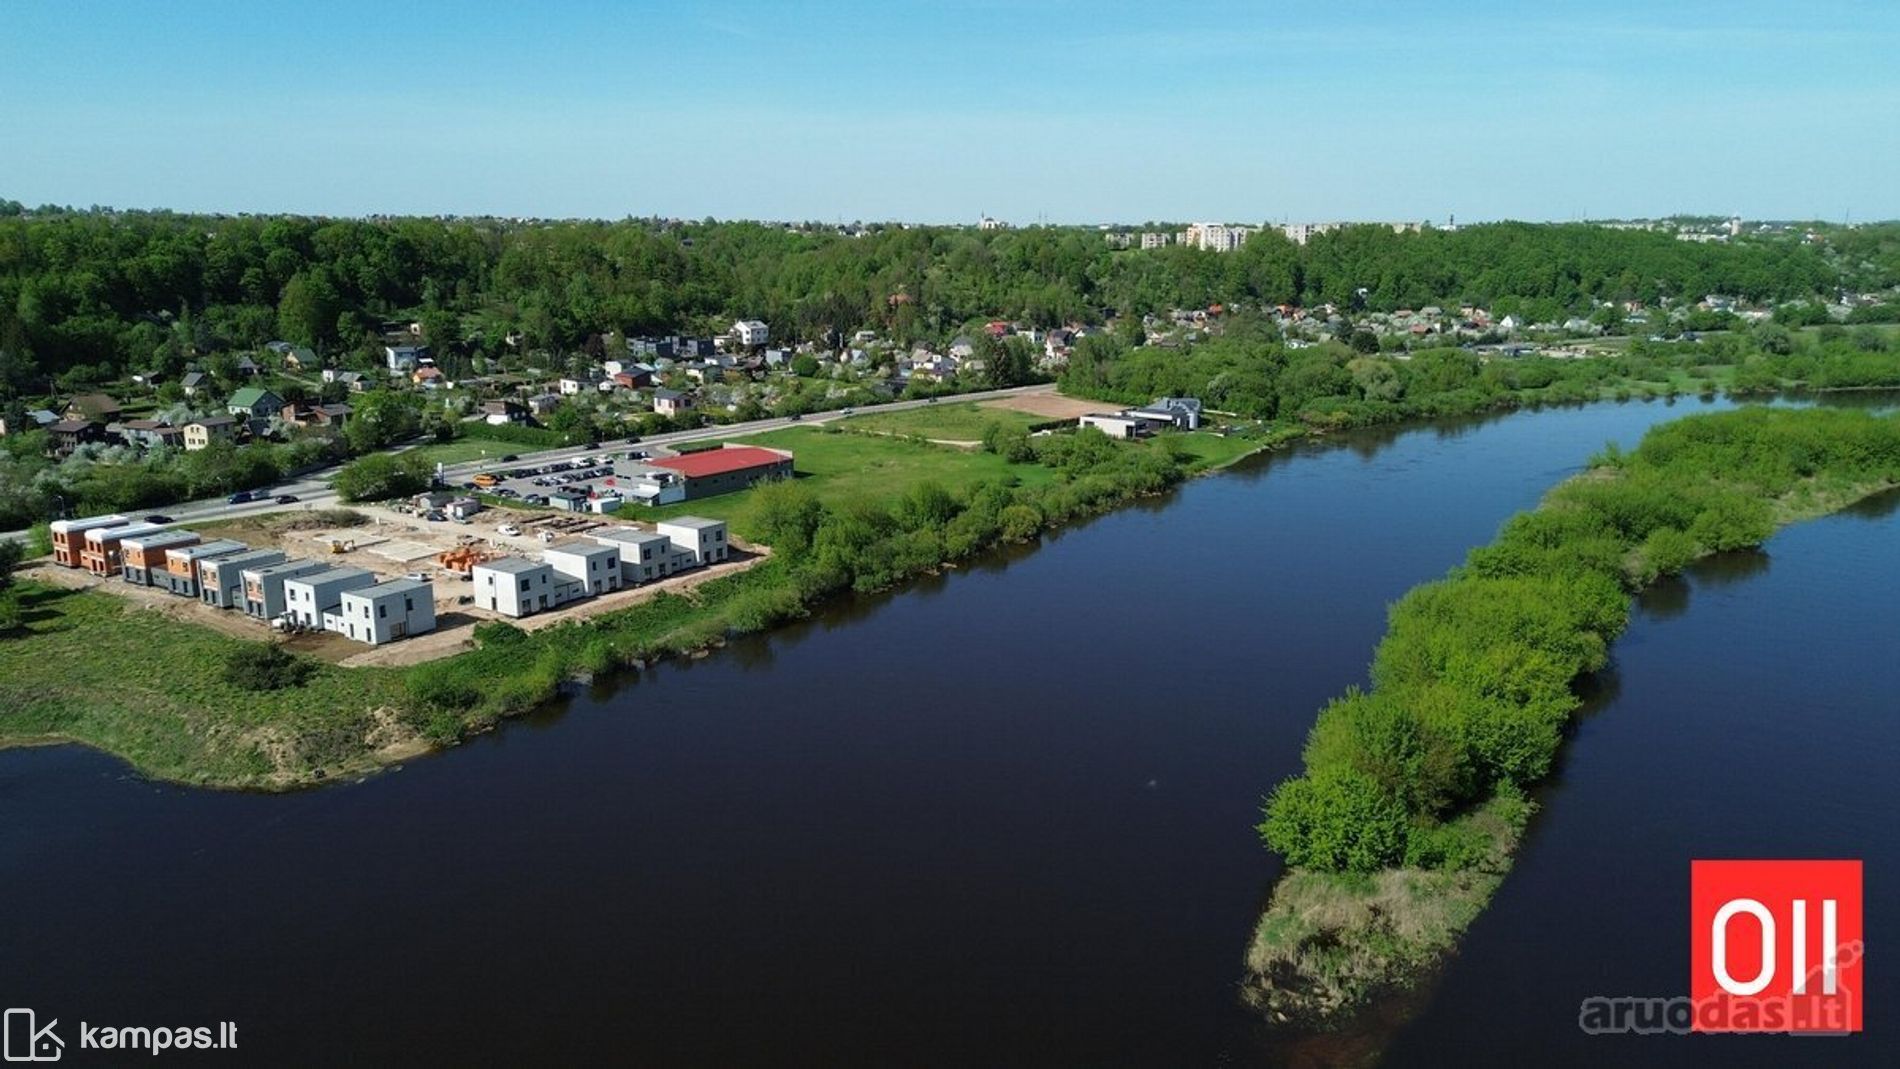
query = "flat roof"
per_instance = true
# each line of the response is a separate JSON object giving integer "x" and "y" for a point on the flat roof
{"x": 389, "y": 586}
{"x": 101, "y": 534}
{"x": 160, "y": 539}
{"x": 579, "y": 546}
{"x": 329, "y": 574}
{"x": 631, "y": 534}
{"x": 721, "y": 461}
{"x": 246, "y": 559}
{"x": 289, "y": 567}
{"x": 697, "y": 523}
{"x": 208, "y": 549}
{"x": 512, "y": 565}
{"x": 69, "y": 526}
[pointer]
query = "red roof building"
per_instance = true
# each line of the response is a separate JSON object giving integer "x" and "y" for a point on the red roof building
{"x": 721, "y": 471}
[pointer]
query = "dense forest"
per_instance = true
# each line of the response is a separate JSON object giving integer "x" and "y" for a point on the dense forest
{"x": 87, "y": 297}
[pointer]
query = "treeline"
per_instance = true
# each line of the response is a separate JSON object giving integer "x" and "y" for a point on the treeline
{"x": 87, "y": 297}
{"x": 1472, "y": 684}
{"x": 819, "y": 549}
{"x": 1250, "y": 372}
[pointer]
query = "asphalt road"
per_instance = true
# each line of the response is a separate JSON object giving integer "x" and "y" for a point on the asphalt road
{"x": 313, "y": 490}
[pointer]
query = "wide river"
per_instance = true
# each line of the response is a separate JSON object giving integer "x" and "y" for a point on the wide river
{"x": 1002, "y": 817}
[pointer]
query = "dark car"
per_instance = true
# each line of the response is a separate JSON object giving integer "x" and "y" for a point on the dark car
{"x": 633, "y": 440}
{"x": 159, "y": 518}
{"x": 796, "y": 416}
{"x": 435, "y": 515}
{"x": 239, "y": 498}
{"x": 286, "y": 499}
{"x": 510, "y": 459}
{"x": 470, "y": 486}
{"x": 930, "y": 400}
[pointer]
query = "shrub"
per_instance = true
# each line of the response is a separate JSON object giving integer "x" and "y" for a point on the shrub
{"x": 264, "y": 666}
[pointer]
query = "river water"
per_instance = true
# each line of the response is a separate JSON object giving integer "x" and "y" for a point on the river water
{"x": 1001, "y": 817}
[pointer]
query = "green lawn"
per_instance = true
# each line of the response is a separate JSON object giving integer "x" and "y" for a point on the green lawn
{"x": 464, "y": 450}
{"x": 842, "y": 467}
{"x": 944, "y": 422}
{"x": 142, "y": 685}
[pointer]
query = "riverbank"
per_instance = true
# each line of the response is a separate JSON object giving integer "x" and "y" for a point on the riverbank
{"x": 865, "y": 514}
{"x": 1411, "y": 807}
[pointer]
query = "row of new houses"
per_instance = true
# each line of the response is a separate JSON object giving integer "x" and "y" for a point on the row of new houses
{"x": 623, "y": 556}
{"x": 264, "y": 583}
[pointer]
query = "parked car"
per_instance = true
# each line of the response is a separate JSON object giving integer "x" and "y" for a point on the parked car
{"x": 159, "y": 518}
{"x": 535, "y": 499}
{"x": 239, "y": 498}
{"x": 508, "y": 529}
{"x": 286, "y": 499}
{"x": 420, "y": 577}
{"x": 435, "y": 515}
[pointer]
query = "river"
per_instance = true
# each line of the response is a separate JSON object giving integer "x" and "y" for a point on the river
{"x": 1001, "y": 817}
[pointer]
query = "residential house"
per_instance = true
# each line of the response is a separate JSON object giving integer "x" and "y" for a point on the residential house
{"x": 92, "y": 406}
{"x": 36, "y": 419}
{"x": 542, "y": 404}
{"x": 429, "y": 377}
{"x": 352, "y": 379}
{"x": 264, "y": 586}
{"x": 403, "y": 358}
{"x": 516, "y": 586}
{"x": 69, "y": 536}
{"x": 181, "y": 573}
{"x": 704, "y": 540}
{"x": 142, "y": 557}
{"x": 1183, "y": 413}
{"x": 149, "y": 433}
{"x": 254, "y": 403}
{"x": 221, "y": 582}
{"x": 70, "y": 434}
{"x": 299, "y": 357}
{"x": 1118, "y": 424}
{"x": 670, "y": 402}
{"x": 248, "y": 368}
{"x": 103, "y": 550}
{"x": 644, "y": 555}
{"x": 750, "y": 333}
{"x": 384, "y": 612}
{"x": 498, "y": 413}
{"x": 329, "y": 417}
{"x": 194, "y": 381}
{"x": 200, "y": 433}
{"x": 311, "y": 596}
{"x": 595, "y": 566}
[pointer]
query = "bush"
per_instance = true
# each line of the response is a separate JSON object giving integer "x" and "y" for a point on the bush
{"x": 263, "y": 666}
{"x": 1335, "y": 819}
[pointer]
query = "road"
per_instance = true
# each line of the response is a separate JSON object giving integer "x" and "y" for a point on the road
{"x": 313, "y": 490}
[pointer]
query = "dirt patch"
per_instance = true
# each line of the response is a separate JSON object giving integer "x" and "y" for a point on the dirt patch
{"x": 1051, "y": 405}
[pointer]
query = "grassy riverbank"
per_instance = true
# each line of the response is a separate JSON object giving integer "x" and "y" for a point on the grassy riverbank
{"x": 1405, "y": 820}
{"x": 867, "y": 512}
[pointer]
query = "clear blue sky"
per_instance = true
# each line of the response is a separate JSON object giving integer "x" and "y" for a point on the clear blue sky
{"x": 938, "y": 111}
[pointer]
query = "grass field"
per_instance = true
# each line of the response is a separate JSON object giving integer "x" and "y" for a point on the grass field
{"x": 464, "y": 450}
{"x": 146, "y": 687}
{"x": 843, "y": 467}
{"x": 951, "y": 423}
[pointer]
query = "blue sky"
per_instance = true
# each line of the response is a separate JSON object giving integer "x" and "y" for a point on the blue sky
{"x": 1074, "y": 112}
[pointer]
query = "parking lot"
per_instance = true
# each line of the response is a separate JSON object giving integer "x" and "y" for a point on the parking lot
{"x": 605, "y": 470}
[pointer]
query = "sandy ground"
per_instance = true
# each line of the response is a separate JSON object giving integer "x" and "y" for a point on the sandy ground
{"x": 226, "y": 621}
{"x": 1051, "y": 405}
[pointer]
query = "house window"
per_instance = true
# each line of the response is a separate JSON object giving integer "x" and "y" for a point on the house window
{"x": 382, "y": 612}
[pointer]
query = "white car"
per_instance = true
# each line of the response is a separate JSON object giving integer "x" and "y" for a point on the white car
{"x": 508, "y": 529}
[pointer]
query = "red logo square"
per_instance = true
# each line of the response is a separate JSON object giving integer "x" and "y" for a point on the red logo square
{"x": 1775, "y": 946}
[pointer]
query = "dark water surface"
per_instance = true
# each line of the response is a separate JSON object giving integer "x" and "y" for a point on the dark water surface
{"x": 1002, "y": 817}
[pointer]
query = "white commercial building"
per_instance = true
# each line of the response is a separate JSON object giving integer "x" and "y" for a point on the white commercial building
{"x": 384, "y": 612}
